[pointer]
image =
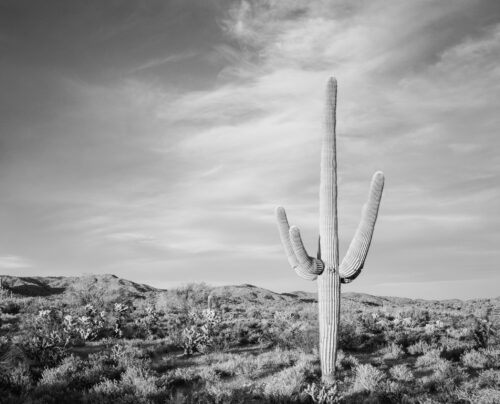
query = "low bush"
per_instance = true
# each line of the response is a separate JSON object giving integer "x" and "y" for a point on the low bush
{"x": 10, "y": 307}
{"x": 475, "y": 360}
{"x": 420, "y": 348}
{"x": 401, "y": 373}
{"x": 392, "y": 351}
{"x": 489, "y": 378}
{"x": 323, "y": 394}
{"x": 368, "y": 378}
{"x": 289, "y": 382}
{"x": 429, "y": 358}
{"x": 345, "y": 361}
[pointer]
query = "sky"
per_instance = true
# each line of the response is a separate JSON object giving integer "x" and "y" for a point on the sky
{"x": 153, "y": 140}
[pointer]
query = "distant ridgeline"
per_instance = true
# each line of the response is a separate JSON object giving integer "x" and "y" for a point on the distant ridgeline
{"x": 113, "y": 287}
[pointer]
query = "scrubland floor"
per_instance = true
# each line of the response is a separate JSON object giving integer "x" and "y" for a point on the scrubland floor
{"x": 200, "y": 344}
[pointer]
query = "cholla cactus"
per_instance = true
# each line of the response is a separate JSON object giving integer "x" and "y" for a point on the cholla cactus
{"x": 202, "y": 334}
{"x": 326, "y": 268}
{"x": 121, "y": 311}
{"x": 150, "y": 321}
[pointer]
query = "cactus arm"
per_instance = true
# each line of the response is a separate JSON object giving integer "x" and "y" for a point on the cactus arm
{"x": 309, "y": 264}
{"x": 353, "y": 262}
{"x": 306, "y": 267}
{"x": 284, "y": 230}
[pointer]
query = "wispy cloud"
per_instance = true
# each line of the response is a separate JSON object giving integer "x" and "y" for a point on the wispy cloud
{"x": 167, "y": 158}
{"x": 155, "y": 62}
{"x": 14, "y": 262}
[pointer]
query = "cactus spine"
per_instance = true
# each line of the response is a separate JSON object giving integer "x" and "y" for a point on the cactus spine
{"x": 325, "y": 268}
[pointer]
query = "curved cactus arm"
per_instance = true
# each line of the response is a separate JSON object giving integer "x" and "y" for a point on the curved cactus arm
{"x": 306, "y": 267}
{"x": 306, "y": 263}
{"x": 356, "y": 254}
{"x": 284, "y": 229}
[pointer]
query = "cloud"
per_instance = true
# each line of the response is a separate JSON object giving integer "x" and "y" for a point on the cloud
{"x": 14, "y": 262}
{"x": 166, "y": 157}
{"x": 155, "y": 62}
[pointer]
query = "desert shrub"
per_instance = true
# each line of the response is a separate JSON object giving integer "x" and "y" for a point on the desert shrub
{"x": 419, "y": 316}
{"x": 47, "y": 335}
{"x": 16, "y": 378}
{"x": 306, "y": 338}
{"x": 247, "y": 331}
{"x": 140, "y": 380}
{"x": 10, "y": 307}
{"x": 107, "y": 388}
{"x": 100, "y": 366}
{"x": 127, "y": 355}
{"x": 323, "y": 394}
{"x": 148, "y": 325}
{"x": 484, "y": 332}
{"x": 202, "y": 335}
{"x": 392, "y": 351}
{"x": 494, "y": 356}
{"x": 190, "y": 297}
{"x": 481, "y": 332}
{"x": 348, "y": 338}
{"x": 289, "y": 383}
{"x": 429, "y": 358}
{"x": 194, "y": 340}
{"x": 368, "y": 378}
{"x": 359, "y": 332}
{"x": 487, "y": 396}
{"x": 44, "y": 338}
{"x": 444, "y": 380}
{"x": 345, "y": 361}
{"x": 287, "y": 331}
{"x": 475, "y": 359}
{"x": 444, "y": 369}
{"x": 453, "y": 349}
{"x": 458, "y": 333}
{"x": 121, "y": 312}
{"x": 401, "y": 373}
{"x": 220, "y": 393}
{"x": 75, "y": 375}
{"x": 420, "y": 348}
{"x": 403, "y": 338}
{"x": 63, "y": 373}
{"x": 136, "y": 385}
{"x": 489, "y": 378}
{"x": 89, "y": 326}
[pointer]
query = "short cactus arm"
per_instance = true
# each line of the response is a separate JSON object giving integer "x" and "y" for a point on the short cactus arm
{"x": 356, "y": 254}
{"x": 305, "y": 266}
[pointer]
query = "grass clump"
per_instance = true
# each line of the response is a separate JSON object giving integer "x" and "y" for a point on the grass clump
{"x": 402, "y": 373}
{"x": 392, "y": 351}
{"x": 368, "y": 378}
{"x": 475, "y": 359}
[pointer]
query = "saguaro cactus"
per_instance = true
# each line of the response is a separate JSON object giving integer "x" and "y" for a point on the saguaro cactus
{"x": 325, "y": 268}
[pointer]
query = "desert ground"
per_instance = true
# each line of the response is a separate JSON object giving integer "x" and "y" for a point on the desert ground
{"x": 102, "y": 339}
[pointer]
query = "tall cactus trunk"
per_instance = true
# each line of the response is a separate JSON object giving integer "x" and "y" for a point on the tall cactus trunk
{"x": 329, "y": 314}
{"x": 329, "y": 281}
{"x": 326, "y": 266}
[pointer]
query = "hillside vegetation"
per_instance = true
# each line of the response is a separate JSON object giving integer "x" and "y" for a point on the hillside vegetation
{"x": 101, "y": 339}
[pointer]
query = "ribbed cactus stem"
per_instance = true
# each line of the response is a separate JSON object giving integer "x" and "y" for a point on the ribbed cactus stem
{"x": 326, "y": 268}
{"x": 329, "y": 281}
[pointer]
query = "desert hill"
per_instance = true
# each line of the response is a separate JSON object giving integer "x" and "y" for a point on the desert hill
{"x": 56, "y": 285}
{"x": 45, "y": 286}
{"x": 53, "y": 286}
